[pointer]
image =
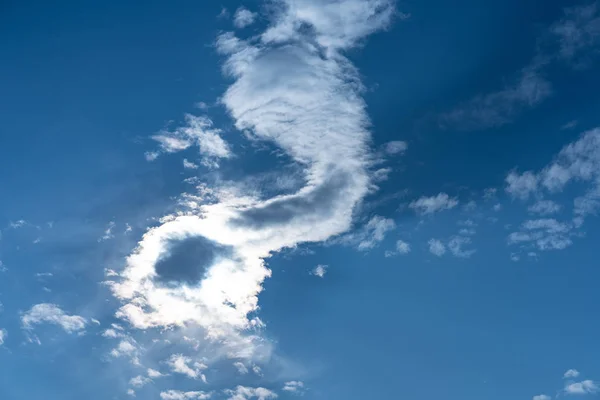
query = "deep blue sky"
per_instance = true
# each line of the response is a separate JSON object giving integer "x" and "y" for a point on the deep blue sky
{"x": 445, "y": 271}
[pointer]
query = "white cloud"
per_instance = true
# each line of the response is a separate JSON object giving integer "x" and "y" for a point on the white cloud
{"x": 544, "y": 207}
{"x": 293, "y": 387}
{"x": 571, "y": 373}
{"x": 245, "y": 393}
{"x": 306, "y": 103}
{"x": 131, "y": 392}
{"x": 433, "y": 204}
{"x": 179, "y": 395}
{"x": 186, "y": 366}
{"x": 320, "y": 270}
{"x": 244, "y": 17}
{"x": 52, "y": 314}
{"x": 455, "y": 245}
{"x": 436, "y": 247}
{"x": 3, "y": 335}
{"x": 542, "y": 397}
{"x": 198, "y": 131}
{"x": 395, "y": 147}
{"x": 583, "y": 387}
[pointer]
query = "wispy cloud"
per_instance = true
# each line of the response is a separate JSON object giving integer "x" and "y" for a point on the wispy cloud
{"x": 180, "y": 364}
{"x": 541, "y": 397}
{"x": 199, "y": 132}
{"x": 576, "y": 162}
{"x": 521, "y": 185}
{"x": 294, "y": 387}
{"x": 243, "y": 17}
{"x": 375, "y": 231}
{"x": 108, "y": 232}
{"x": 320, "y": 270}
{"x": 545, "y": 234}
{"x": 395, "y": 147}
{"x": 578, "y": 32}
{"x": 179, "y": 395}
{"x": 571, "y": 373}
{"x": 245, "y": 393}
{"x": 569, "y": 125}
{"x": 436, "y": 247}
{"x": 456, "y": 246}
{"x": 139, "y": 381}
{"x": 499, "y": 108}
{"x": 152, "y": 373}
{"x": 52, "y": 314}
{"x": 188, "y": 164}
{"x": 544, "y": 207}
{"x": 583, "y": 387}
{"x": 241, "y": 367}
{"x": 433, "y": 204}
{"x": 402, "y": 247}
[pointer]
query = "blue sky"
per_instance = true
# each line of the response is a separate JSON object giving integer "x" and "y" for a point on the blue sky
{"x": 317, "y": 199}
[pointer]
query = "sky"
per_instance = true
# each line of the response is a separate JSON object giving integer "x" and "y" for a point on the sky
{"x": 299, "y": 199}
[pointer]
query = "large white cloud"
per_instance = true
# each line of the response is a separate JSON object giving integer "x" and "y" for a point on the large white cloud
{"x": 288, "y": 91}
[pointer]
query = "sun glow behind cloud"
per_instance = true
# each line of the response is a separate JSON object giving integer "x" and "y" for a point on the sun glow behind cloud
{"x": 297, "y": 90}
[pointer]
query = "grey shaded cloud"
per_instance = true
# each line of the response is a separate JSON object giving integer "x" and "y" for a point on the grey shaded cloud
{"x": 186, "y": 261}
